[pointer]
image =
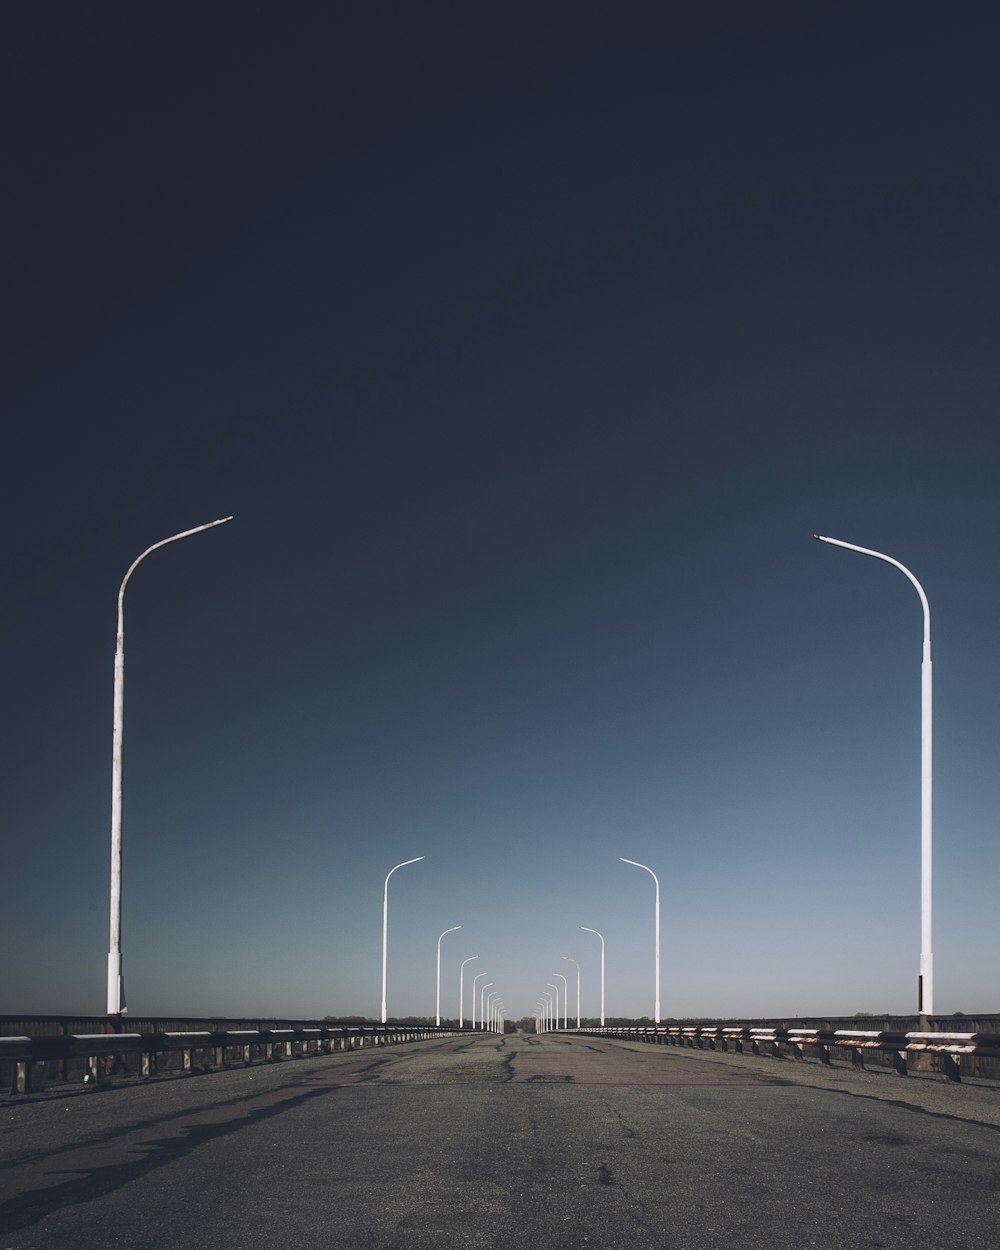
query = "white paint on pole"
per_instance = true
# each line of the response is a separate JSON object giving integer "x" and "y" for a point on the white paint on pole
{"x": 925, "y": 979}
{"x": 453, "y": 929}
{"x": 461, "y": 991}
{"x": 477, "y": 977}
{"x": 482, "y": 1004}
{"x": 565, "y": 982}
{"x": 601, "y": 936}
{"x": 116, "y": 979}
{"x": 570, "y": 959}
{"x": 385, "y": 923}
{"x": 552, "y": 985}
{"x": 656, "y": 1002}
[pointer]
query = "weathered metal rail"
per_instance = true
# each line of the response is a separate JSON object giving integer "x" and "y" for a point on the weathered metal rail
{"x": 104, "y": 1055}
{"x": 978, "y": 1054}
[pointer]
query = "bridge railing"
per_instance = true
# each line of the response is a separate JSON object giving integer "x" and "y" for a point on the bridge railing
{"x": 27, "y": 1061}
{"x": 951, "y": 1054}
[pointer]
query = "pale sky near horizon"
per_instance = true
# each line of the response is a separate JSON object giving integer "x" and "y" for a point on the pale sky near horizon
{"x": 528, "y": 362}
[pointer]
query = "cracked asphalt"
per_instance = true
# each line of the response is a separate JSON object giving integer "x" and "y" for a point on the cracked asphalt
{"x": 472, "y": 1142}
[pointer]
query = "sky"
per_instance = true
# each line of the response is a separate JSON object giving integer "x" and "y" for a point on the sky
{"x": 528, "y": 352}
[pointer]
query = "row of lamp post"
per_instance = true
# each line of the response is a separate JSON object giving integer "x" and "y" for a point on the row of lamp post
{"x": 925, "y": 980}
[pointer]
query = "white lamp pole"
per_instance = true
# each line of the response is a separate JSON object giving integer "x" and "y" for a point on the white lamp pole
{"x": 385, "y": 921}
{"x": 477, "y": 977}
{"x": 656, "y": 1004}
{"x": 565, "y": 982}
{"x": 116, "y": 979}
{"x": 461, "y": 991}
{"x": 552, "y": 985}
{"x": 601, "y": 936}
{"x": 925, "y": 979}
{"x": 571, "y": 960}
{"x": 488, "y": 1019}
{"x": 453, "y": 929}
{"x": 482, "y": 1005}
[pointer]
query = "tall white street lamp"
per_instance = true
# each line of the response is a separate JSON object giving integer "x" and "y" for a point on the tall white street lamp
{"x": 453, "y": 929}
{"x": 565, "y": 982}
{"x": 571, "y": 960}
{"x": 482, "y": 1005}
{"x": 547, "y": 1009}
{"x": 477, "y": 977}
{"x": 925, "y": 977}
{"x": 488, "y": 1018}
{"x": 601, "y": 936}
{"x": 116, "y": 979}
{"x": 656, "y": 1004}
{"x": 385, "y": 921}
{"x": 552, "y": 986}
{"x": 461, "y": 991}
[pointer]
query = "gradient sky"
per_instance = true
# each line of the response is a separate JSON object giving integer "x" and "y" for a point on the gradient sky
{"x": 528, "y": 355}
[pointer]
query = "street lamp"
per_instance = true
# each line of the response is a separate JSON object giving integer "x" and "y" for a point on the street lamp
{"x": 482, "y": 1006}
{"x": 552, "y": 986}
{"x": 925, "y": 978}
{"x": 656, "y": 1005}
{"x": 461, "y": 992}
{"x": 601, "y": 936}
{"x": 116, "y": 979}
{"x": 565, "y": 998}
{"x": 385, "y": 921}
{"x": 476, "y": 978}
{"x": 577, "y": 962}
{"x": 447, "y": 931}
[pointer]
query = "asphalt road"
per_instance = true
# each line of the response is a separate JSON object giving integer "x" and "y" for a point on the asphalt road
{"x": 542, "y": 1142}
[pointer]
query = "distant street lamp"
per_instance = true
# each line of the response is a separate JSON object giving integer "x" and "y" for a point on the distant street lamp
{"x": 552, "y": 985}
{"x": 601, "y": 936}
{"x": 925, "y": 977}
{"x": 385, "y": 921}
{"x": 477, "y": 977}
{"x": 461, "y": 992}
{"x": 565, "y": 982}
{"x": 116, "y": 979}
{"x": 656, "y": 1005}
{"x": 577, "y": 962}
{"x": 482, "y": 1005}
{"x": 454, "y": 929}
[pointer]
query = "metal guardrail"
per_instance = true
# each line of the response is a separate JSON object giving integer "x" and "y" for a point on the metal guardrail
{"x": 941, "y": 1052}
{"x": 105, "y": 1054}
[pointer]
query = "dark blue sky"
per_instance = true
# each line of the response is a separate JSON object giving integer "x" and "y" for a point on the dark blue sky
{"x": 528, "y": 355}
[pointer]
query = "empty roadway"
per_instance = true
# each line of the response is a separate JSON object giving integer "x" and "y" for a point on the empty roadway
{"x": 478, "y": 1141}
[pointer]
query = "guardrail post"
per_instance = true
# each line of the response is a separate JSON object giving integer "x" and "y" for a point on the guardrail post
{"x": 950, "y": 1066}
{"x": 22, "y": 1077}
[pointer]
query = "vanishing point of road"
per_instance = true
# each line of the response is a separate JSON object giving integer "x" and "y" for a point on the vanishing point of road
{"x": 481, "y": 1141}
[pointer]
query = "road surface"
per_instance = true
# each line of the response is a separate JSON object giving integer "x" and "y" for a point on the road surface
{"x": 481, "y": 1142}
